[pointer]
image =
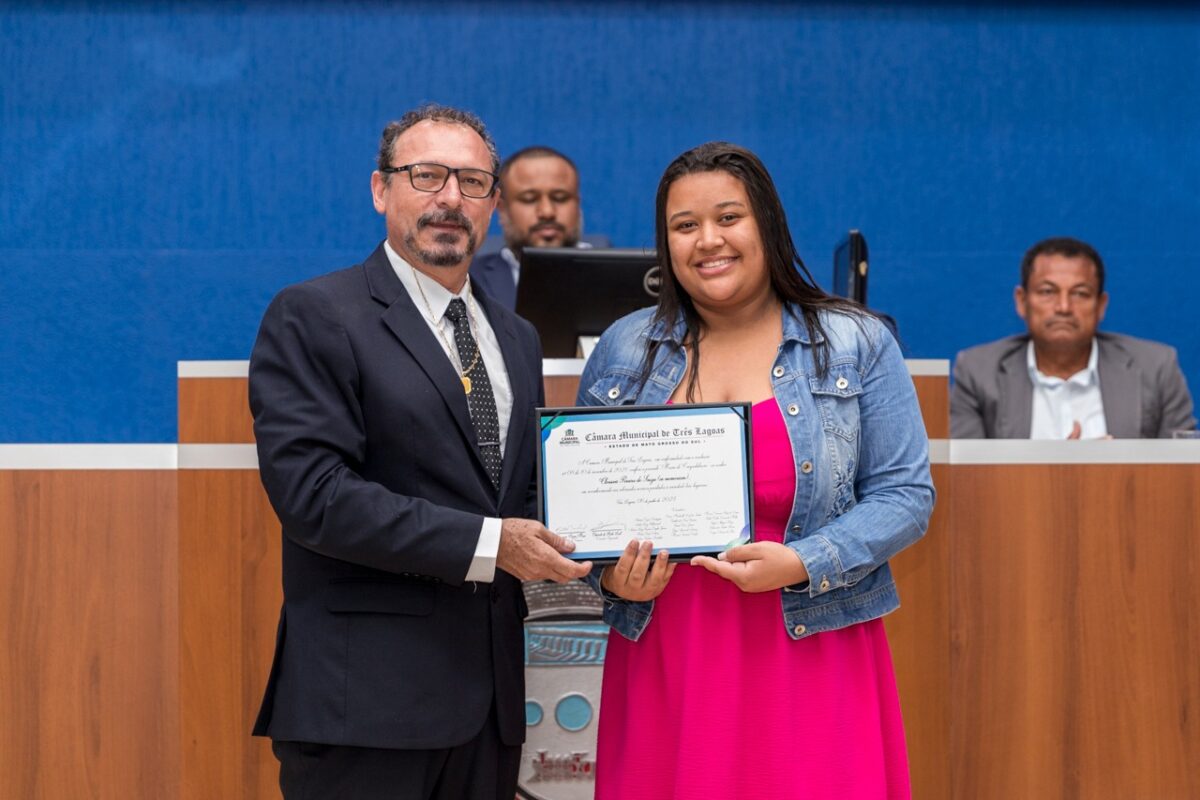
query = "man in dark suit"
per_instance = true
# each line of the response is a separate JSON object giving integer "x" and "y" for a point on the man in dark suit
{"x": 393, "y": 415}
{"x": 539, "y": 207}
{"x": 1065, "y": 379}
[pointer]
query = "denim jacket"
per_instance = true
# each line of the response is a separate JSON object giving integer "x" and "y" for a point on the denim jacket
{"x": 863, "y": 488}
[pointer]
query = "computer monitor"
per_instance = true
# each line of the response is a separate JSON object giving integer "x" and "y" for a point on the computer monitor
{"x": 569, "y": 292}
{"x": 850, "y": 267}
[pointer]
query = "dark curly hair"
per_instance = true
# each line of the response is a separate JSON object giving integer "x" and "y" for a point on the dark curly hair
{"x": 431, "y": 112}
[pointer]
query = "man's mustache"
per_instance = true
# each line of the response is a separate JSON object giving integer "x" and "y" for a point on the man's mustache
{"x": 446, "y": 217}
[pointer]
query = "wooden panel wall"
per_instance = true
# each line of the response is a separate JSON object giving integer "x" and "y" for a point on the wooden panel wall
{"x": 917, "y": 634}
{"x": 89, "y": 636}
{"x": 230, "y": 595}
{"x": 933, "y": 393}
{"x": 214, "y": 410}
{"x": 1076, "y": 631}
{"x": 561, "y": 390}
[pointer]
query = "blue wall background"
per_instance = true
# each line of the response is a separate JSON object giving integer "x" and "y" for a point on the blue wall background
{"x": 167, "y": 168}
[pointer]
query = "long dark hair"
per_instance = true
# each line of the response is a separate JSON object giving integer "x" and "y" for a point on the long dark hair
{"x": 790, "y": 279}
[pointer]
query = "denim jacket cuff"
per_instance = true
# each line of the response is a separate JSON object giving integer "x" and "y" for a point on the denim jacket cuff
{"x": 593, "y": 580}
{"x": 627, "y": 617}
{"x": 821, "y": 561}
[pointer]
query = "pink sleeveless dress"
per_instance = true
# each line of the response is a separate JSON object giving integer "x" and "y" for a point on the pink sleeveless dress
{"x": 717, "y": 701}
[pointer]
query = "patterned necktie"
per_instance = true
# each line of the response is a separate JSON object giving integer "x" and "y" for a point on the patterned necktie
{"x": 480, "y": 400}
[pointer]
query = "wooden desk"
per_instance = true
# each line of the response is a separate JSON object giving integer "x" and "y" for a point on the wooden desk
{"x": 1074, "y": 619}
{"x": 89, "y": 704}
{"x": 1047, "y": 645}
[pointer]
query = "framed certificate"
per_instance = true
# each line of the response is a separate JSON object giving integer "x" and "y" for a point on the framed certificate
{"x": 678, "y": 475}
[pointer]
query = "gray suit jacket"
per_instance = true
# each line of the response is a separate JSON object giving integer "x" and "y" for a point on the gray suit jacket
{"x": 1144, "y": 392}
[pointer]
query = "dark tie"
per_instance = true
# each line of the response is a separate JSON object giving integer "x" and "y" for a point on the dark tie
{"x": 481, "y": 402}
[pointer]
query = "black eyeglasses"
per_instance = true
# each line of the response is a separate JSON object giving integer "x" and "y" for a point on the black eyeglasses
{"x": 476, "y": 183}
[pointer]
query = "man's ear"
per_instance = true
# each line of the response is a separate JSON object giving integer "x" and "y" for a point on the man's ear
{"x": 1101, "y": 307}
{"x": 1019, "y": 300}
{"x": 379, "y": 189}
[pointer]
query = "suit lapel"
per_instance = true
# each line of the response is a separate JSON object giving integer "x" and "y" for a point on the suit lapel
{"x": 1015, "y": 413}
{"x": 1120, "y": 390}
{"x": 409, "y": 326}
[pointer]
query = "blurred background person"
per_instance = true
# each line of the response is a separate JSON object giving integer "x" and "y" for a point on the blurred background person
{"x": 1063, "y": 378}
{"x": 538, "y": 207}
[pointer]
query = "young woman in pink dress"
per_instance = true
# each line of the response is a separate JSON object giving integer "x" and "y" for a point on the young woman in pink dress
{"x": 764, "y": 673}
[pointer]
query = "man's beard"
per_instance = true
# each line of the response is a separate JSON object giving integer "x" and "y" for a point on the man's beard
{"x": 448, "y": 255}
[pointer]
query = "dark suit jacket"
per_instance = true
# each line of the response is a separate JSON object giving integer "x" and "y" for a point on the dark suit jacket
{"x": 368, "y": 455}
{"x": 491, "y": 273}
{"x": 1144, "y": 392}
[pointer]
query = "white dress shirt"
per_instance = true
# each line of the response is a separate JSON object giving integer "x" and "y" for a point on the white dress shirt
{"x": 1059, "y": 403}
{"x": 431, "y": 300}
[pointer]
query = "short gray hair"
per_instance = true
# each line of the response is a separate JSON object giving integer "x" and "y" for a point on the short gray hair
{"x": 432, "y": 112}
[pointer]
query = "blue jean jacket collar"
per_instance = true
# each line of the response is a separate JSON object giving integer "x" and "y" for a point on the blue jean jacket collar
{"x": 794, "y": 329}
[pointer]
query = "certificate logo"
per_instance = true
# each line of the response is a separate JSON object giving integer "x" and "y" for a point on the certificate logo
{"x": 569, "y": 437}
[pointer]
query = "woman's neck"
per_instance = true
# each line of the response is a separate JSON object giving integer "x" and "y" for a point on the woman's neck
{"x": 735, "y": 354}
{"x": 761, "y": 312}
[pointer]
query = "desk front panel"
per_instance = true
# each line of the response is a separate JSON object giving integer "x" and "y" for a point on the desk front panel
{"x": 1075, "y": 630}
{"x": 89, "y": 645}
{"x": 229, "y": 601}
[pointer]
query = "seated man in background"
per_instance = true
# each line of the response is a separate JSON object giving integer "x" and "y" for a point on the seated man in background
{"x": 539, "y": 207}
{"x": 1065, "y": 379}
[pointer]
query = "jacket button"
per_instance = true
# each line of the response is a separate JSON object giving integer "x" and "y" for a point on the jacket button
{"x": 778, "y": 371}
{"x": 796, "y": 528}
{"x": 614, "y": 393}
{"x": 841, "y": 383}
{"x": 799, "y": 630}
{"x": 793, "y": 409}
{"x": 806, "y": 467}
{"x": 824, "y": 584}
